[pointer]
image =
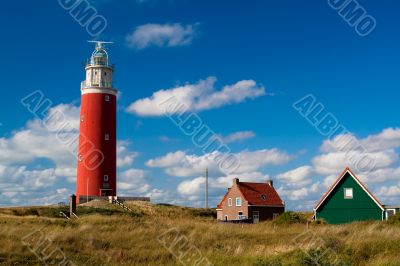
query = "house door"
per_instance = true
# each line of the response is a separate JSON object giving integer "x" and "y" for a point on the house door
{"x": 256, "y": 217}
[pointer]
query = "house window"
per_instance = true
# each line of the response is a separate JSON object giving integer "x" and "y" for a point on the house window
{"x": 107, "y": 98}
{"x": 390, "y": 213}
{"x": 241, "y": 216}
{"x": 230, "y": 202}
{"x": 107, "y": 137}
{"x": 238, "y": 202}
{"x": 226, "y": 217}
{"x": 348, "y": 193}
{"x": 105, "y": 178}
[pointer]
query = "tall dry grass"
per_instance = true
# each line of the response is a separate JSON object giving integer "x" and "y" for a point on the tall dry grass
{"x": 106, "y": 235}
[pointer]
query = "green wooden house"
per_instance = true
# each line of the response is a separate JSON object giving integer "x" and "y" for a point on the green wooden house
{"x": 349, "y": 200}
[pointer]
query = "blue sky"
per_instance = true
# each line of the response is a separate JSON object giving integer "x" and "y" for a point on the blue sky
{"x": 283, "y": 49}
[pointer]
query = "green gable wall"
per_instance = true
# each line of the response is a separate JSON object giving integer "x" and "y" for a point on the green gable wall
{"x": 336, "y": 209}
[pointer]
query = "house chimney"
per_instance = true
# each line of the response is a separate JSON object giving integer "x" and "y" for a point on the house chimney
{"x": 235, "y": 181}
{"x": 270, "y": 182}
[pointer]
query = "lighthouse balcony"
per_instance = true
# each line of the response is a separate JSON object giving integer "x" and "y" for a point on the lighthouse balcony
{"x": 101, "y": 84}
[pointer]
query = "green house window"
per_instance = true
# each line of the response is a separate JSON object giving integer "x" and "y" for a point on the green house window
{"x": 348, "y": 193}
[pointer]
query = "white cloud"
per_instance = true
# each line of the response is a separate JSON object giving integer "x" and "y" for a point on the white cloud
{"x": 381, "y": 175}
{"x": 335, "y": 162}
{"x": 237, "y": 136}
{"x": 19, "y": 179}
{"x": 297, "y": 177}
{"x": 300, "y": 193}
{"x": 389, "y": 191}
{"x": 196, "y": 97}
{"x": 191, "y": 187}
{"x": 55, "y": 138}
{"x": 181, "y": 164}
{"x": 389, "y": 138}
{"x": 162, "y": 35}
{"x": 132, "y": 182}
{"x": 329, "y": 181}
{"x": 217, "y": 185}
{"x": 124, "y": 156}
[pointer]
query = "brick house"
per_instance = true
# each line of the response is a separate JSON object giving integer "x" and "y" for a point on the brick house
{"x": 250, "y": 201}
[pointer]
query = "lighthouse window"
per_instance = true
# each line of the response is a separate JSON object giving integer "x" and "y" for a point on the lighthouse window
{"x": 80, "y": 157}
{"x": 107, "y": 98}
{"x": 107, "y": 137}
{"x": 105, "y": 178}
{"x": 82, "y": 118}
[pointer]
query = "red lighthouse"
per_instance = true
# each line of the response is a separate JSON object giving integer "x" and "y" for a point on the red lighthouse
{"x": 97, "y": 136}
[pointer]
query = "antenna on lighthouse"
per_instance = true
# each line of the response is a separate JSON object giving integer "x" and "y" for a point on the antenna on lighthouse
{"x": 100, "y": 44}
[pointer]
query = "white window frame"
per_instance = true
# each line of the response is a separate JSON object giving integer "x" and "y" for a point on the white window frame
{"x": 240, "y": 201}
{"x": 107, "y": 98}
{"x": 226, "y": 218}
{"x": 346, "y": 195}
{"x": 386, "y": 213}
{"x": 106, "y": 136}
{"x": 106, "y": 178}
{"x": 230, "y": 202}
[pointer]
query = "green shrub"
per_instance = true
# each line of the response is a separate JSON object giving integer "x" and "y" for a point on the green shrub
{"x": 319, "y": 221}
{"x": 211, "y": 213}
{"x": 290, "y": 218}
{"x": 394, "y": 219}
{"x": 265, "y": 262}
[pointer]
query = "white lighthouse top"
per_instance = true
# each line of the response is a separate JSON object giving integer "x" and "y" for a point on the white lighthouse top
{"x": 99, "y": 72}
{"x": 99, "y": 55}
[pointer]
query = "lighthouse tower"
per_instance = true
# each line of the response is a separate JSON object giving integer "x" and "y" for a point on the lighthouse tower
{"x": 97, "y": 136}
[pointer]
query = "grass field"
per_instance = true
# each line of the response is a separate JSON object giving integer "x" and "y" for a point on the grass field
{"x": 170, "y": 235}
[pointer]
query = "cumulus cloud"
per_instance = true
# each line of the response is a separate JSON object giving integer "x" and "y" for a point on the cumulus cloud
{"x": 297, "y": 177}
{"x": 196, "y": 97}
{"x": 389, "y": 138}
{"x": 217, "y": 185}
{"x": 295, "y": 194}
{"x": 184, "y": 165}
{"x": 125, "y": 157}
{"x": 161, "y": 35}
{"x": 54, "y": 139}
{"x": 335, "y": 162}
{"x": 237, "y": 136}
{"x": 133, "y": 182}
{"x": 191, "y": 187}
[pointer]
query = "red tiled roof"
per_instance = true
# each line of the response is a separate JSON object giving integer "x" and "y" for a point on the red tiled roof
{"x": 253, "y": 193}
